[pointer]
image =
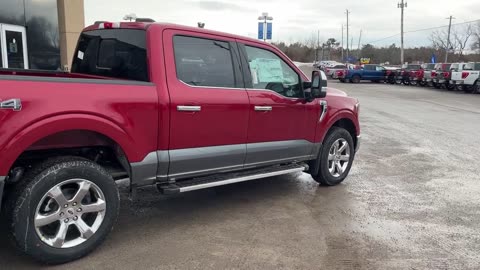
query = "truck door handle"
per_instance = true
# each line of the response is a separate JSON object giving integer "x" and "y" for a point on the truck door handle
{"x": 263, "y": 108}
{"x": 11, "y": 104}
{"x": 183, "y": 108}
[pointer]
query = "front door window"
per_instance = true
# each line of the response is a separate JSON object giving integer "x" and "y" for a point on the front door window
{"x": 13, "y": 44}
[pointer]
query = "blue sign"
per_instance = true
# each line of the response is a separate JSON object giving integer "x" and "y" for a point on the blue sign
{"x": 269, "y": 30}
{"x": 260, "y": 30}
{"x": 434, "y": 59}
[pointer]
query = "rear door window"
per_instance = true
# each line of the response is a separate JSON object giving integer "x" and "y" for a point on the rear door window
{"x": 117, "y": 53}
{"x": 204, "y": 62}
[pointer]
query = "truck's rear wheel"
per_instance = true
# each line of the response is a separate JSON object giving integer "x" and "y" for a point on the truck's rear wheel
{"x": 335, "y": 158}
{"x": 355, "y": 79}
{"x": 63, "y": 209}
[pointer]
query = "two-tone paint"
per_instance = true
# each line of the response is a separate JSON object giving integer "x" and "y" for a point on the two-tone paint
{"x": 143, "y": 120}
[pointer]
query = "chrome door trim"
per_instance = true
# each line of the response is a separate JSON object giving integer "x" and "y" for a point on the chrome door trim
{"x": 324, "y": 108}
{"x": 193, "y": 162}
{"x": 184, "y": 108}
{"x": 12, "y": 104}
{"x": 263, "y": 108}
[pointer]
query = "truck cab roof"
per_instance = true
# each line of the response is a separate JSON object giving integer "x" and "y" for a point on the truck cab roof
{"x": 163, "y": 25}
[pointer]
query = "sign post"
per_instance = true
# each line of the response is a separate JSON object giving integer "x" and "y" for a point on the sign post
{"x": 264, "y": 27}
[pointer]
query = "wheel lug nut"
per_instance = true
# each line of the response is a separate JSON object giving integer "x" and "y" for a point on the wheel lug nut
{"x": 74, "y": 204}
{"x": 75, "y": 218}
{"x": 66, "y": 220}
{"x": 66, "y": 205}
{"x": 79, "y": 210}
{"x": 62, "y": 214}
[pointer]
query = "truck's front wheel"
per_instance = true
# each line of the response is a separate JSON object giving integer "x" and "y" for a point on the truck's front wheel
{"x": 63, "y": 209}
{"x": 336, "y": 157}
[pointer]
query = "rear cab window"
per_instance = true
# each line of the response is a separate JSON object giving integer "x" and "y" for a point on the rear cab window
{"x": 116, "y": 53}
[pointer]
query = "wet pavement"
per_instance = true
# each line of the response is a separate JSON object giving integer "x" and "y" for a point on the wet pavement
{"x": 410, "y": 202}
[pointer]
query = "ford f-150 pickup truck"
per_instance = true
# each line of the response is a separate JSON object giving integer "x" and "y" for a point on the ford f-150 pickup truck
{"x": 468, "y": 79}
{"x": 375, "y": 73}
{"x": 177, "y": 107}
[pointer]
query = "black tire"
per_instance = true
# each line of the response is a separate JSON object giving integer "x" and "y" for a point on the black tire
{"x": 405, "y": 82}
{"x": 468, "y": 89}
{"x": 422, "y": 83}
{"x": 476, "y": 87}
{"x": 450, "y": 87}
{"x": 437, "y": 85}
{"x": 24, "y": 198}
{"x": 391, "y": 80}
{"x": 355, "y": 79}
{"x": 324, "y": 177}
{"x": 413, "y": 83}
{"x": 342, "y": 80}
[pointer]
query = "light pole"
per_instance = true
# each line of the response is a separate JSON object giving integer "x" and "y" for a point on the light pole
{"x": 401, "y": 5}
{"x": 264, "y": 17}
{"x": 348, "y": 50}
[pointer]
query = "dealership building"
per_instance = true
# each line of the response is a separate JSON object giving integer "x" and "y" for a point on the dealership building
{"x": 39, "y": 34}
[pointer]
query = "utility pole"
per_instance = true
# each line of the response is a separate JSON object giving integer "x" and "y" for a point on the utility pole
{"x": 342, "y": 43}
{"x": 448, "y": 37}
{"x": 318, "y": 46}
{"x": 402, "y": 5}
{"x": 347, "y": 12}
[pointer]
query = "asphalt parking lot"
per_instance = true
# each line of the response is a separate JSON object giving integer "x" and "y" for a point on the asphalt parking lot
{"x": 410, "y": 202}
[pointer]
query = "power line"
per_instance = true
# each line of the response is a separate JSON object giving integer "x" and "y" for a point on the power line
{"x": 421, "y": 30}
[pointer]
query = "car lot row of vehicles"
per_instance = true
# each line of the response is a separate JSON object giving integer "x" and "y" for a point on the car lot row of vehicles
{"x": 451, "y": 76}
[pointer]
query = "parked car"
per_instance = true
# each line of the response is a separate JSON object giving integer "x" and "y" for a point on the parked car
{"x": 442, "y": 76}
{"x": 374, "y": 73}
{"x": 331, "y": 71}
{"x": 469, "y": 78}
{"x": 427, "y": 74}
{"x": 404, "y": 75}
{"x": 391, "y": 74}
{"x": 164, "y": 105}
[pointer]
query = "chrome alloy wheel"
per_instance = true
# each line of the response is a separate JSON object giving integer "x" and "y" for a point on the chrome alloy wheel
{"x": 338, "y": 157}
{"x": 70, "y": 213}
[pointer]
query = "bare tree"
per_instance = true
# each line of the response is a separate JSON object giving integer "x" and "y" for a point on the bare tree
{"x": 462, "y": 37}
{"x": 476, "y": 37}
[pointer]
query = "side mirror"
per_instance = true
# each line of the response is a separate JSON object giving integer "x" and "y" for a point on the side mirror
{"x": 318, "y": 87}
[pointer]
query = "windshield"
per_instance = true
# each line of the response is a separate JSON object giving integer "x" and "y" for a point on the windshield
{"x": 117, "y": 53}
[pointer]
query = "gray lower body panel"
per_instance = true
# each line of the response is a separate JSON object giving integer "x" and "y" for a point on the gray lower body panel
{"x": 185, "y": 163}
{"x": 172, "y": 165}
{"x": 2, "y": 186}
{"x": 268, "y": 153}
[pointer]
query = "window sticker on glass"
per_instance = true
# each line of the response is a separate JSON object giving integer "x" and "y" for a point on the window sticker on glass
{"x": 254, "y": 71}
{"x": 80, "y": 55}
{"x": 269, "y": 70}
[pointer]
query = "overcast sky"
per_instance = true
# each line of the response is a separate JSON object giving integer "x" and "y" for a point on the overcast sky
{"x": 297, "y": 20}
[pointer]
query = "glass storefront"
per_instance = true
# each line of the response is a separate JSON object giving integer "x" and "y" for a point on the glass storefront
{"x": 30, "y": 36}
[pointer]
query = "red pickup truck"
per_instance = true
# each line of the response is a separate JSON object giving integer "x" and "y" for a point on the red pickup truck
{"x": 178, "y": 107}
